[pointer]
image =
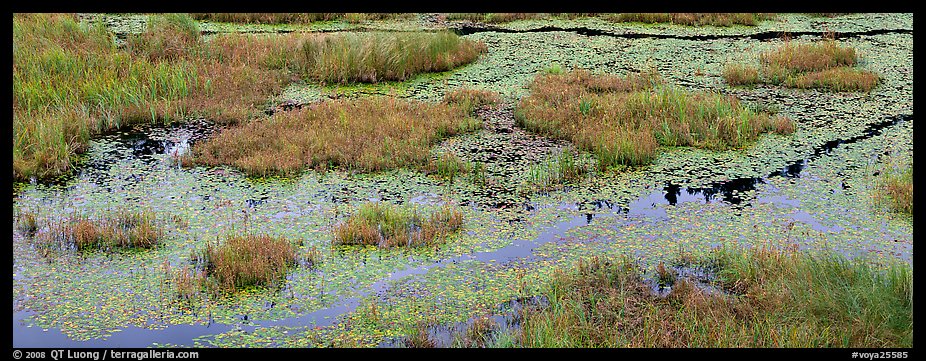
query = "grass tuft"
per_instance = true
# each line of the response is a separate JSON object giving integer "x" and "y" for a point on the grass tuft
{"x": 623, "y": 121}
{"x": 370, "y": 134}
{"x": 823, "y": 65}
{"x": 420, "y": 338}
{"x": 122, "y": 229}
{"x": 895, "y": 188}
{"x": 27, "y": 223}
{"x": 554, "y": 171}
{"x": 249, "y": 260}
{"x": 382, "y": 56}
{"x": 737, "y": 74}
{"x": 692, "y": 19}
{"x": 470, "y": 98}
{"x": 782, "y": 299}
{"x": 296, "y": 18}
{"x": 387, "y": 225}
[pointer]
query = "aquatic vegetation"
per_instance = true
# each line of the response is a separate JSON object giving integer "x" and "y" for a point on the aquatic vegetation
{"x": 692, "y": 19}
{"x": 824, "y": 64}
{"x": 421, "y": 338}
{"x": 248, "y": 260}
{"x": 380, "y": 56}
{"x": 557, "y": 169}
{"x": 479, "y": 333}
{"x": 470, "y": 98}
{"x": 496, "y": 17}
{"x": 27, "y": 223}
{"x": 665, "y": 276}
{"x": 895, "y": 188}
{"x": 780, "y": 298}
{"x": 368, "y": 134}
{"x": 121, "y": 229}
{"x": 826, "y": 15}
{"x": 624, "y": 120}
{"x": 296, "y": 18}
{"x": 449, "y": 166}
{"x": 312, "y": 258}
{"x": 98, "y": 299}
{"x": 70, "y": 81}
{"x": 738, "y": 74}
{"x": 386, "y": 225}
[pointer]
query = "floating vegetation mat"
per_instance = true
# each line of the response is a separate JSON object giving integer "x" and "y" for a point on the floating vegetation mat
{"x": 813, "y": 190}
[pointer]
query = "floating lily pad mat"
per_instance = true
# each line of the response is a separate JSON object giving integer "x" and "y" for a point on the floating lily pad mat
{"x": 813, "y": 190}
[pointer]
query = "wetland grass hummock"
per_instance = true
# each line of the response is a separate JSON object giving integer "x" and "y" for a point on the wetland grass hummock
{"x": 70, "y": 82}
{"x": 249, "y": 260}
{"x": 692, "y": 19}
{"x": 372, "y": 57}
{"x": 370, "y": 134}
{"x": 554, "y": 171}
{"x": 296, "y": 18}
{"x": 824, "y": 65}
{"x": 895, "y": 188}
{"x": 471, "y": 98}
{"x": 623, "y": 121}
{"x": 123, "y": 229}
{"x": 386, "y": 225}
{"x": 777, "y": 298}
{"x": 240, "y": 262}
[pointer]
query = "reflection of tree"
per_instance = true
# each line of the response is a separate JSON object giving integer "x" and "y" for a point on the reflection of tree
{"x": 672, "y": 193}
{"x": 725, "y": 190}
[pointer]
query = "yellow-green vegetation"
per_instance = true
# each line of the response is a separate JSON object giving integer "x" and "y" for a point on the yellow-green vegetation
{"x": 471, "y": 98}
{"x": 623, "y": 120}
{"x": 121, "y": 229}
{"x": 242, "y": 261}
{"x": 369, "y": 134}
{"x": 895, "y": 188}
{"x": 776, "y": 298}
{"x": 387, "y": 225}
{"x": 380, "y": 56}
{"x": 824, "y": 64}
{"x": 27, "y": 223}
{"x": 557, "y": 169}
{"x": 250, "y": 260}
{"x": 496, "y": 17}
{"x": 296, "y": 18}
{"x": 692, "y": 19}
{"x": 738, "y": 74}
{"x": 450, "y": 167}
{"x": 70, "y": 81}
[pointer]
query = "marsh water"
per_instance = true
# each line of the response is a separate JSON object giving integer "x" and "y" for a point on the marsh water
{"x": 813, "y": 190}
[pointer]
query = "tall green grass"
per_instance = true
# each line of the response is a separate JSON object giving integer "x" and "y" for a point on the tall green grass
{"x": 383, "y": 56}
{"x": 557, "y": 169}
{"x": 70, "y": 81}
{"x": 623, "y": 121}
{"x": 779, "y": 299}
